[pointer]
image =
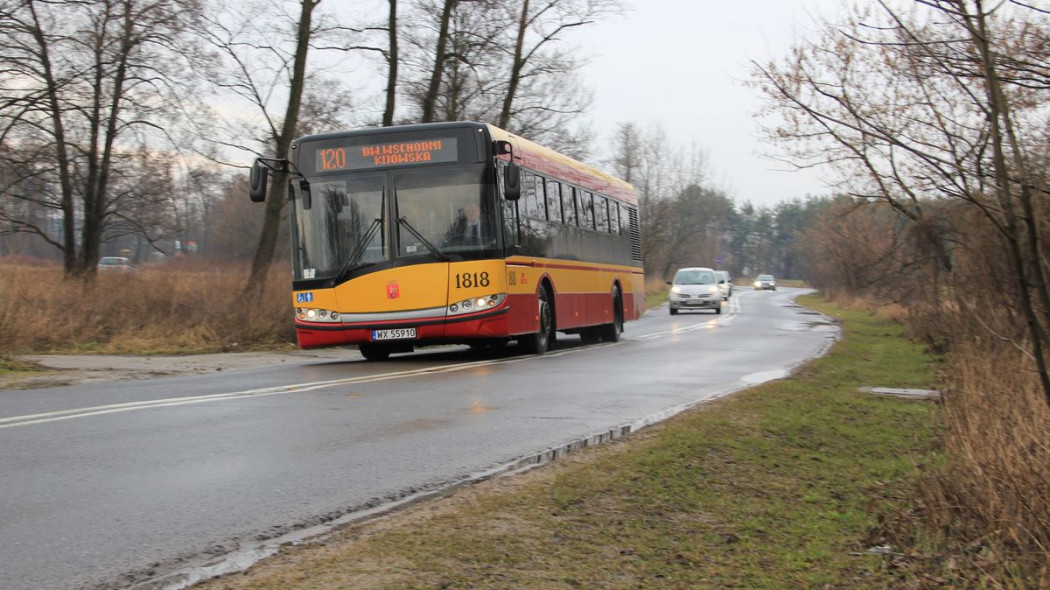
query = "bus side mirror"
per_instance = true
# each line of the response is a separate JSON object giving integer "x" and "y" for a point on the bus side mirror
{"x": 512, "y": 182}
{"x": 257, "y": 180}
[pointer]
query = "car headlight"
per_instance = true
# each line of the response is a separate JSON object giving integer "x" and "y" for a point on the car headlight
{"x": 713, "y": 289}
{"x": 476, "y": 304}
{"x": 758, "y": 284}
{"x": 676, "y": 289}
{"x": 309, "y": 314}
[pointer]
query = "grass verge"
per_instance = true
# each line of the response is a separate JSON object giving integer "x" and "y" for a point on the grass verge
{"x": 774, "y": 487}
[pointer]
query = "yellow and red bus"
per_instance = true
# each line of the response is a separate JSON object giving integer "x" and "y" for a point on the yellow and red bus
{"x": 454, "y": 233}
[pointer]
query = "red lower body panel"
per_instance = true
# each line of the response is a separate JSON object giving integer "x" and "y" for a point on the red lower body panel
{"x": 486, "y": 325}
{"x": 519, "y": 316}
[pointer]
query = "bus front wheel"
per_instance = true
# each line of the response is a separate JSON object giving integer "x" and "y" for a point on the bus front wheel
{"x": 541, "y": 341}
{"x": 374, "y": 352}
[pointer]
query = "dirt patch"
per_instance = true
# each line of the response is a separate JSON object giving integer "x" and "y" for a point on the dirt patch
{"x": 61, "y": 370}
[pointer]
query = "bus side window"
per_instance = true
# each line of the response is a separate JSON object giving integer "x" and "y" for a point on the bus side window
{"x": 526, "y": 189}
{"x": 554, "y": 201}
{"x": 510, "y": 223}
{"x": 586, "y": 209}
{"x": 541, "y": 199}
{"x": 568, "y": 204}
{"x": 529, "y": 197}
{"x": 625, "y": 220}
{"x": 601, "y": 214}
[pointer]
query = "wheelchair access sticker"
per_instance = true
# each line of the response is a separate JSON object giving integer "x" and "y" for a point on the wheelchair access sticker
{"x": 306, "y": 297}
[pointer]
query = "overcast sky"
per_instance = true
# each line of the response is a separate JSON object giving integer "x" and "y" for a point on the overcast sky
{"x": 681, "y": 64}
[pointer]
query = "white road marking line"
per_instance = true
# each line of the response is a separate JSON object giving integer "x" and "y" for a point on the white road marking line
{"x": 47, "y": 417}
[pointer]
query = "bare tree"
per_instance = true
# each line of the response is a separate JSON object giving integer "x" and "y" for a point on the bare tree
{"x": 541, "y": 25}
{"x": 940, "y": 99}
{"x": 265, "y": 67}
{"x": 627, "y": 154}
{"x": 85, "y": 84}
{"x": 502, "y": 61}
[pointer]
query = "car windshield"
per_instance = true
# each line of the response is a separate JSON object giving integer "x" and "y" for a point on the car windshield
{"x": 111, "y": 261}
{"x": 765, "y": 277}
{"x": 694, "y": 277}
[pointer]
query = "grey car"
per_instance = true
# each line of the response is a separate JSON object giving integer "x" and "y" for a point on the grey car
{"x": 765, "y": 282}
{"x": 694, "y": 288}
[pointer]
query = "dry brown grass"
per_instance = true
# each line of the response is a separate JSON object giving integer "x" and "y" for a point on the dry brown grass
{"x": 992, "y": 497}
{"x": 175, "y": 309}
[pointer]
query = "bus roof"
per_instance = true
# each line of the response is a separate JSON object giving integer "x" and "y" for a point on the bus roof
{"x": 547, "y": 161}
{"x": 526, "y": 153}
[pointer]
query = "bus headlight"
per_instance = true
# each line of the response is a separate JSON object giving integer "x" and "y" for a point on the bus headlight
{"x": 475, "y": 304}
{"x": 308, "y": 314}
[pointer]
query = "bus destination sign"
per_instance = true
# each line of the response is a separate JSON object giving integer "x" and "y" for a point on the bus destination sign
{"x": 376, "y": 155}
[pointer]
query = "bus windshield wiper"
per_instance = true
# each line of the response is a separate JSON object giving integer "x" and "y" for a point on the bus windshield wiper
{"x": 351, "y": 263}
{"x": 433, "y": 249}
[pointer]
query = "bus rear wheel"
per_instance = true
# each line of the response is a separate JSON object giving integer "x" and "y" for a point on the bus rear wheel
{"x": 542, "y": 340}
{"x": 611, "y": 332}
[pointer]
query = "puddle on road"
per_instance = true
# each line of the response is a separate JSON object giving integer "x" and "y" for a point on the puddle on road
{"x": 808, "y": 326}
{"x": 764, "y": 376}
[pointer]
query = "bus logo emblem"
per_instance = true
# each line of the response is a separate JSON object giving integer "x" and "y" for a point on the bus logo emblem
{"x": 393, "y": 291}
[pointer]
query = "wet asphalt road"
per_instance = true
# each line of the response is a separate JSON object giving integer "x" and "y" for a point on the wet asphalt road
{"x": 110, "y": 485}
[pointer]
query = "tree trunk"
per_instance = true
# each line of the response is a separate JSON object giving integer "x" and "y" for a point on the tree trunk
{"x": 391, "y": 79}
{"x": 279, "y": 192}
{"x": 515, "y": 68}
{"x": 430, "y": 100}
{"x": 69, "y": 243}
{"x": 96, "y": 195}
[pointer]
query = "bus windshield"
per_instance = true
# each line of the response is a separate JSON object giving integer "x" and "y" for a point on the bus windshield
{"x": 445, "y": 207}
{"x": 349, "y": 221}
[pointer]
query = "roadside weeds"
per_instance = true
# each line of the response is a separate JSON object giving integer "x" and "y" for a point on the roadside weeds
{"x": 777, "y": 486}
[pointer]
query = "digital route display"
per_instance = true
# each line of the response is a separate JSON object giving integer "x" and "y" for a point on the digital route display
{"x": 380, "y": 155}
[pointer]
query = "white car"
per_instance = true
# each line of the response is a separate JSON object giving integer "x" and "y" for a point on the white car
{"x": 725, "y": 284}
{"x": 116, "y": 264}
{"x": 694, "y": 288}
